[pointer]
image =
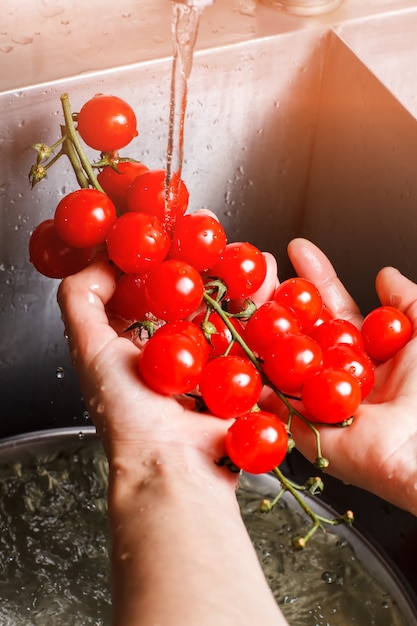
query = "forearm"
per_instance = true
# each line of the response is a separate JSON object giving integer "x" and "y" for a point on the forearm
{"x": 181, "y": 554}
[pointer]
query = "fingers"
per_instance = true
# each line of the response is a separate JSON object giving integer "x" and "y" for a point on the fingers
{"x": 394, "y": 289}
{"x": 270, "y": 283}
{"x": 311, "y": 263}
{"x": 82, "y": 299}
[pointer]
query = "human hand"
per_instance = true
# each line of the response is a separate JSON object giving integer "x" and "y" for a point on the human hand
{"x": 378, "y": 452}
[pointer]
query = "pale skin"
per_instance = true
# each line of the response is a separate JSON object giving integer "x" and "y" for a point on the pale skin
{"x": 181, "y": 554}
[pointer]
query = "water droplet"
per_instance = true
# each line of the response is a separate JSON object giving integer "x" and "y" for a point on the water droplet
{"x": 80, "y": 435}
{"x": 60, "y": 373}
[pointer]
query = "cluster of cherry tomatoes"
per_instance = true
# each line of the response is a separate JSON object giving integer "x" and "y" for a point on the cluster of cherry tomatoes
{"x": 181, "y": 277}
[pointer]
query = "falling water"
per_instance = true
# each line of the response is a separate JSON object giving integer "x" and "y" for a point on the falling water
{"x": 185, "y": 23}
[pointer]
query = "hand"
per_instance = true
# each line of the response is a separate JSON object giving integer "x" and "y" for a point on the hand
{"x": 378, "y": 452}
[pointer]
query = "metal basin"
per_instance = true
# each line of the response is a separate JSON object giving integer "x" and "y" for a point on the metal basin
{"x": 53, "y": 520}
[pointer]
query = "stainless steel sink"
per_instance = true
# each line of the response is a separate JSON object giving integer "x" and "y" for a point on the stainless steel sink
{"x": 295, "y": 126}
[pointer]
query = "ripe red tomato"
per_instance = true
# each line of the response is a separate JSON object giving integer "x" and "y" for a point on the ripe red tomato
{"x": 128, "y": 300}
{"x": 199, "y": 240}
{"x": 331, "y": 396}
{"x": 290, "y": 358}
{"x": 303, "y": 297}
{"x": 106, "y": 123}
{"x": 137, "y": 242}
{"x": 220, "y": 335}
{"x": 353, "y": 360}
{"x": 174, "y": 290}
{"x": 84, "y": 217}
{"x": 242, "y": 268}
{"x": 116, "y": 182}
{"x": 191, "y": 330}
{"x": 385, "y": 330}
{"x": 269, "y": 320}
{"x": 51, "y": 256}
{"x": 337, "y": 331}
{"x": 147, "y": 195}
{"x": 230, "y": 386}
{"x": 172, "y": 360}
{"x": 257, "y": 442}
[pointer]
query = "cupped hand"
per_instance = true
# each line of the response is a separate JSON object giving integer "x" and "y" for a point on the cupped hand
{"x": 378, "y": 452}
{"x": 130, "y": 418}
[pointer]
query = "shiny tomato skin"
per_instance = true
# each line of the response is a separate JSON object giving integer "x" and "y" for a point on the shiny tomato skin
{"x": 331, "y": 396}
{"x": 355, "y": 361}
{"x": 137, "y": 242}
{"x": 230, "y": 386}
{"x": 147, "y": 193}
{"x": 385, "y": 331}
{"x": 84, "y": 217}
{"x": 269, "y": 320}
{"x": 198, "y": 239}
{"x": 51, "y": 256}
{"x": 257, "y": 442}
{"x": 190, "y": 329}
{"x": 219, "y": 340}
{"x": 128, "y": 301}
{"x": 335, "y": 331}
{"x": 242, "y": 268}
{"x": 107, "y": 123}
{"x": 171, "y": 363}
{"x": 174, "y": 290}
{"x": 115, "y": 181}
{"x": 289, "y": 359}
{"x": 303, "y": 297}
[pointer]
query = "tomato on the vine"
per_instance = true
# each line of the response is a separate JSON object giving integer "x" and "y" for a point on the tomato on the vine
{"x": 303, "y": 297}
{"x": 84, "y": 217}
{"x": 172, "y": 360}
{"x": 257, "y": 442}
{"x": 355, "y": 361}
{"x": 331, "y": 396}
{"x": 137, "y": 242}
{"x": 51, "y": 256}
{"x": 219, "y": 335}
{"x": 116, "y": 180}
{"x": 128, "y": 300}
{"x": 107, "y": 123}
{"x": 385, "y": 330}
{"x": 269, "y": 320}
{"x": 147, "y": 194}
{"x": 198, "y": 239}
{"x": 173, "y": 290}
{"x": 242, "y": 267}
{"x": 290, "y": 358}
{"x": 230, "y": 386}
{"x": 335, "y": 331}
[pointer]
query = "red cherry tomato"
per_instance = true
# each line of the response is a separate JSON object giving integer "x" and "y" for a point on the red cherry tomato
{"x": 137, "y": 242}
{"x": 337, "y": 331}
{"x": 257, "y": 442}
{"x": 242, "y": 268}
{"x": 171, "y": 361}
{"x": 385, "y": 330}
{"x": 107, "y": 123}
{"x": 331, "y": 396}
{"x": 198, "y": 239}
{"x": 116, "y": 182}
{"x": 219, "y": 334}
{"x": 189, "y": 329}
{"x": 147, "y": 195}
{"x": 303, "y": 297}
{"x": 84, "y": 217}
{"x": 174, "y": 290}
{"x": 270, "y": 319}
{"x": 51, "y": 256}
{"x": 353, "y": 360}
{"x": 290, "y": 358}
{"x": 230, "y": 386}
{"x": 128, "y": 300}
